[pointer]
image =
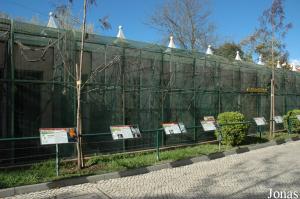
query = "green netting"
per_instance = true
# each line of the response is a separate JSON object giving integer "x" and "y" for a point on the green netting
{"x": 125, "y": 82}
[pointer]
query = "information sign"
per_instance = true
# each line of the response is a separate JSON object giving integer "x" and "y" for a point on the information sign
{"x": 136, "y": 132}
{"x": 171, "y": 128}
{"x": 182, "y": 127}
{"x": 208, "y": 125}
{"x": 278, "y": 119}
{"x": 57, "y": 135}
{"x": 121, "y": 132}
{"x": 260, "y": 121}
{"x": 209, "y": 118}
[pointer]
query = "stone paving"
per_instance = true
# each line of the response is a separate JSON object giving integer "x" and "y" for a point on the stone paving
{"x": 245, "y": 176}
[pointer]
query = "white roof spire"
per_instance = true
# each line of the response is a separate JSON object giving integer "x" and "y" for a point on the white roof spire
{"x": 52, "y": 23}
{"x": 278, "y": 64}
{"x": 120, "y": 33}
{"x": 171, "y": 43}
{"x": 238, "y": 57}
{"x": 294, "y": 67}
{"x": 260, "y": 62}
{"x": 209, "y": 51}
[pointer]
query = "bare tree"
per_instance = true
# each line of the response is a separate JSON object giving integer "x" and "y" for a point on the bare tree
{"x": 79, "y": 84}
{"x": 187, "y": 20}
{"x": 268, "y": 41}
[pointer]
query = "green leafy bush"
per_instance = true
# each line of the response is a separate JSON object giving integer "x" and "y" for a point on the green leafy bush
{"x": 294, "y": 122}
{"x": 233, "y": 134}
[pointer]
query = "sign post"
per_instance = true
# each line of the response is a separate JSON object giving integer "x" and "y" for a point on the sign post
{"x": 57, "y": 160}
{"x": 57, "y": 136}
{"x": 209, "y": 124}
{"x": 157, "y": 145}
{"x": 260, "y": 121}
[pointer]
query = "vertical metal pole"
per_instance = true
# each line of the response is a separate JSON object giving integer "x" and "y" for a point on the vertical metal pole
{"x": 194, "y": 98}
{"x": 139, "y": 98}
{"x": 289, "y": 125}
{"x": 219, "y": 136}
{"x": 57, "y": 160}
{"x": 74, "y": 56}
{"x": 124, "y": 145}
{"x": 162, "y": 92}
{"x": 105, "y": 71}
{"x": 239, "y": 91}
{"x": 12, "y": 70}
{"x": 123, "y": 94}
{"x": 157, "y": 145}
{"x": 259, "y": 128}
{"x": 218, "y": 72}
{"x": 123, "y": 85}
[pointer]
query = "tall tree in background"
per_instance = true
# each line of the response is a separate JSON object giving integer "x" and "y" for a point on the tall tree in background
{"x": 79, "y": 85}
{"x": 268, "y": 39}
{"x": 228, "y": 50}
{"x": 63, "y": 14}
{"x": 187, "y": 20}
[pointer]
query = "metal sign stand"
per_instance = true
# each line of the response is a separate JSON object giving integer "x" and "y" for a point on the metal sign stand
{"x": 219, "y": 136}
{"x": 57, "y": 160}
{"x": 259, "y": 130}
{"x": 157, "y": 145}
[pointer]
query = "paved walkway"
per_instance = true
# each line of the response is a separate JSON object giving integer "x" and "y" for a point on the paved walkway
{"x": 243, "y": 176}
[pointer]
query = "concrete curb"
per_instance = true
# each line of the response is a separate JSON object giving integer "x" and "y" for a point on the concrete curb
{"x": 94, "y": 178}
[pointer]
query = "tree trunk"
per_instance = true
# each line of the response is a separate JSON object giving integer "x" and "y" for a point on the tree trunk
{"x": 78, "y": 87}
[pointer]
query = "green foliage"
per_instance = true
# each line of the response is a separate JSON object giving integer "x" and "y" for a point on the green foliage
{"x": 269, "y": 36}
{"x": 228, "y": 50}
{"x": 233, "y": 134}
{"x": 39, "y": 172}
{"x": 294, "y": 122}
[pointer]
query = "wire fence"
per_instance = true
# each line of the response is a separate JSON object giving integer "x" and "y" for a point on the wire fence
{"x": 125, "y": 82}
{"x": 27, "y": 151}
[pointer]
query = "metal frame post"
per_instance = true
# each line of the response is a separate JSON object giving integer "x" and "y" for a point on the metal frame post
{"x": 56, "y": 160}
{"x": 12, "y": 70}
{"x": 289, "y": 125}
{"x": 157, "y": 146}
{"x": 123, "y": 94}
{"x": 194, "y": 97}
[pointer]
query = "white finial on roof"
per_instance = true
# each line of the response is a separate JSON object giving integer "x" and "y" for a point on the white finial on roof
{"x": 120, "y": 33}
{"x": 278, "y": 64}
{"x": 237, "y": 57}
{"x": 52, "y": 23}
{"x": 260, "y": 62}
{"x": 209, "y": 51}
{"x": 294, "y": 67}
{"x": 171, "y": 43}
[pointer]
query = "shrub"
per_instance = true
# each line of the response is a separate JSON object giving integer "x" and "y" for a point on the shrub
{"x": 233, "y": 134}
{"x": 294, "y": 122}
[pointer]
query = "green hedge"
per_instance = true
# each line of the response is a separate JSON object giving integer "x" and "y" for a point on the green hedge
{"x": 233, "y": 134}
{"x": 294, "y": 122}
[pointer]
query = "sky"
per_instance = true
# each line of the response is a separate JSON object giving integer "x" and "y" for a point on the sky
{"x": 234, "y": 19}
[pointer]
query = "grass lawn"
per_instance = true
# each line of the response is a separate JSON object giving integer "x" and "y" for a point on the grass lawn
{"x": 45, "y": 171}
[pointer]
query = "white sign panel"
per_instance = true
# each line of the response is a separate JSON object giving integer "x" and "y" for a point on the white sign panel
{"x": 278, "y": 119}
{"x": 260, "y": 121}
{"x": 171, "y": 128}
{"x": 298, "y": 117}
{"x": 209, "y": 118}
{"x": 208, "y": 125}
{"x": 136, "y": 132}
{"x": 182, "y": 127}
{"x": 57, "y": 135}
{"x": 121, "y": 132}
